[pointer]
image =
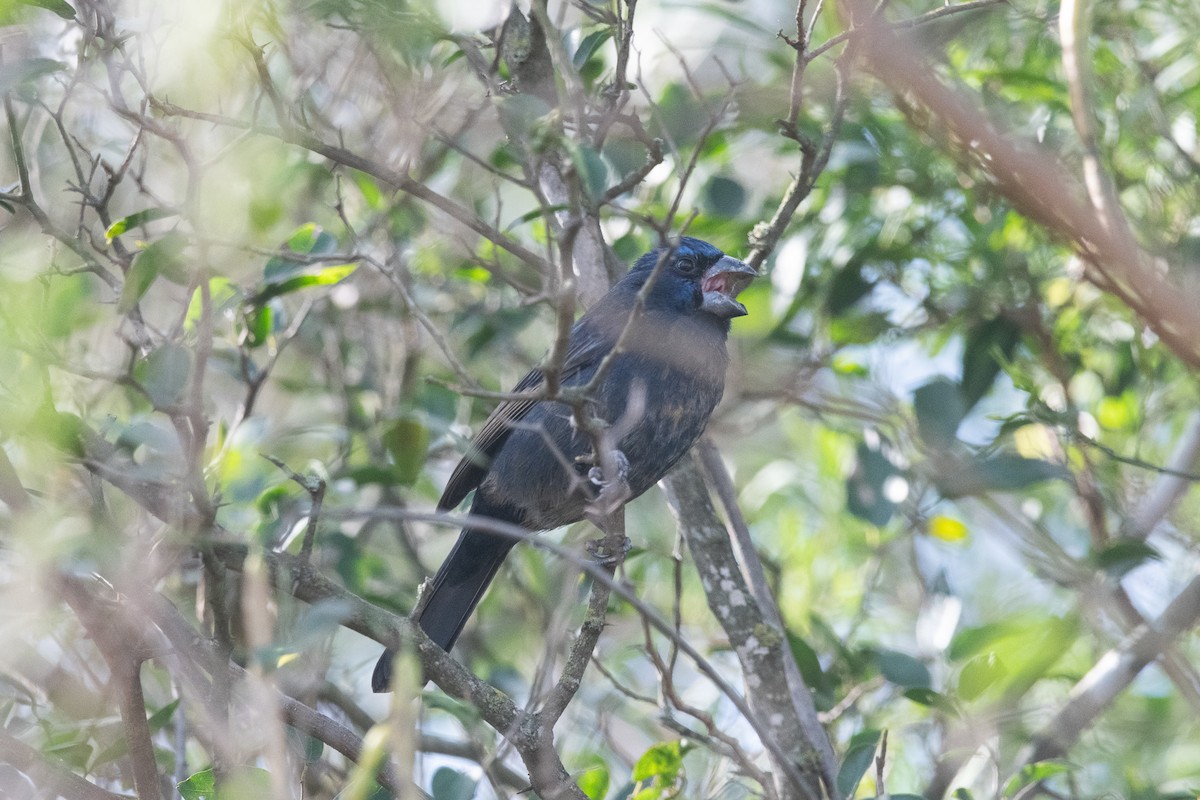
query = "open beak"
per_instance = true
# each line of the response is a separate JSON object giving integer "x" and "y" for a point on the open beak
{"x": 721, "y": 285}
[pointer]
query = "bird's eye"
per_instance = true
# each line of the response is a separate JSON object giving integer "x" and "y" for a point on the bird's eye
{"x": 687, "y": 267}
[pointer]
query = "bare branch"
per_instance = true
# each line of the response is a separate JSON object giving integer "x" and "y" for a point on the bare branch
{"x": 1097, "y": 690}
{"x": 799, "y": 765}
{"x": 49, "y": 776}
{"x": 1034, "y": 181}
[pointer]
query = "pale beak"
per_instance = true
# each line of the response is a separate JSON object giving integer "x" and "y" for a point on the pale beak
{"x": 721, "y": 285}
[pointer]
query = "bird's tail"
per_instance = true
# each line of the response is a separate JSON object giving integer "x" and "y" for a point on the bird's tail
{"x": 457, "y": 588}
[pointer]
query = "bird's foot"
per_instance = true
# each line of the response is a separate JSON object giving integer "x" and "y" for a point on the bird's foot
{"x": 598, "y": 549}
{"x": 613, "y": 490}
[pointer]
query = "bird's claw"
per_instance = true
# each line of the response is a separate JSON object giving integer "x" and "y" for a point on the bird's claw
{"x": 612, "y": 492}
{"x": 597, "y": 550}
{"x": 596, "y": 473}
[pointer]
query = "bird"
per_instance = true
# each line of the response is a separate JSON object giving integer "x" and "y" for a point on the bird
{"x": 531, "y": 465}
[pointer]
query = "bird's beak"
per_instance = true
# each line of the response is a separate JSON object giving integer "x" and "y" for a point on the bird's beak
{"x": 721, "y": 284}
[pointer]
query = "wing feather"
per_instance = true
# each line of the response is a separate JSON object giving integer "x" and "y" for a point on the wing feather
{"x": 582, "y": 351}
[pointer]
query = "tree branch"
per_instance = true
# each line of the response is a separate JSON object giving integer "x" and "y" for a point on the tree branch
{"x": 48, "y": 775}
{"x": 760, "y": 647}
{"x": 123, "y": 647}
{"x": 1097, "y": 690}
{"x": 756, "y": 578}
{"x": 1033, "y": 179}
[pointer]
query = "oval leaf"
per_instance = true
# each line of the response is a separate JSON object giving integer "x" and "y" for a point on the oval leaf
{"x": 407, "y": 440}
{"x": 939, "y": 408}
{"x": 724, "y": 196}
{"x": 163, "y": 257}
{"x": 858, "y": 759}
{"x": 978, "y": 674}
{"x": 664, "y": 761}
{"x": 60, "y": 7}
{"x": 903, "y": 670}
{"x": 865, "y": 495}
{"x": 987, "y": 348}
{"x": 134, "y": 220}
{"x": 450, "y": 784}
{"x": 325, "y": 276}
{"x": 164, "y": 374}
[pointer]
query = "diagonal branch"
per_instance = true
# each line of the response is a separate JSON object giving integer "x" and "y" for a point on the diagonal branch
{"x": 124, "y": 649}
{"x": 761, "y": 647}
{"x": 1097, "y": 690}
{"x": 50, "y": 776}
{"x": 1034, "y": 180}
{"x": 756, "y": 578}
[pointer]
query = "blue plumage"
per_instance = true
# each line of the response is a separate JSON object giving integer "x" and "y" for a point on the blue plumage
{"x": 529, "y": 458}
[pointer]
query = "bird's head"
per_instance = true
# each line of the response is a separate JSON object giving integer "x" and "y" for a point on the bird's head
{"x": 696, "y": 278}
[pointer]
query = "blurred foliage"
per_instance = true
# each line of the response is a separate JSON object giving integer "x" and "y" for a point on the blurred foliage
{"x": 939, "y": 432}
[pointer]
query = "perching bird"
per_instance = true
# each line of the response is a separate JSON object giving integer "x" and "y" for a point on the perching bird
{"x": 529, "y": 464}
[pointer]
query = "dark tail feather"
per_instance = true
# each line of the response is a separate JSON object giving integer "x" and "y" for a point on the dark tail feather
{"x": 457, "y": 588}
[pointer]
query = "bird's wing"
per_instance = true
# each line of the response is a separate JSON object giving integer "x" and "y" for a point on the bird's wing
{"x": 583, "y": 350}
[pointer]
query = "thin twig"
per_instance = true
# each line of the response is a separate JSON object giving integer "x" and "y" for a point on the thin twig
{"x": 315, "y": 486}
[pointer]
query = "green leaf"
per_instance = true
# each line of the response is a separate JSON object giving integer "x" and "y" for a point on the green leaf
{"x": 593, "y": 172}
{"x": 75, "y": 753}
{"x": 522, "y": 113}
{"x": 60, "y": 7}
{"x": 847, "y": 288}
{"x": 809, "y": 664}
{"x": 313, "y": 748}
{"x": 928, "y": 697}
{"x": 155, "y": 438}
{"x": 724, "y": 196}
{"x": 450, "y": 784}
{"x": 1033, "y": 773}
{"x": 134, "y": 220}
{"x": 678, "y": 112}
{"x": 62, "y": 430}
{"x": 594, "y": 782}
{"x": 371, "y": 193}
{"x": 243, "y": 783}
{"x": 859, "y": 328}
{"x": 590, "y": 44}
{"x": 663, "y": 761}
{"x": 223, "y": 296}
{"x": 324, "y": 276}
{"x": 866, "y": 497}
{"x": 260, "y": 324}
{"x": 311, "y": 239}
{"x": 163, "y": 257}
{"x": 858, "y": 759}
{"x": 164, "y": 374}
{"x": 969, "y": 641}
{"x": 978, "y": 674}
{"x": 1003, "y": 472}
{"x": 322, "y": 620}
{"x": 407, "y": 440}
{"x": 625, "y": 156}
{"x": 903, "y": 670}
{"x": 199, "y": 786}
{"x": 26, "y": 71}
{"x": 939, "y": 409}
{"x": 307, "y": 240}
{"x": 1123, "y": 555}
{"x": 70, "y": 305}
{"x": 529, "y": 216}
{"x": 988, "y": 346}
{"x": 159, "y": 719}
